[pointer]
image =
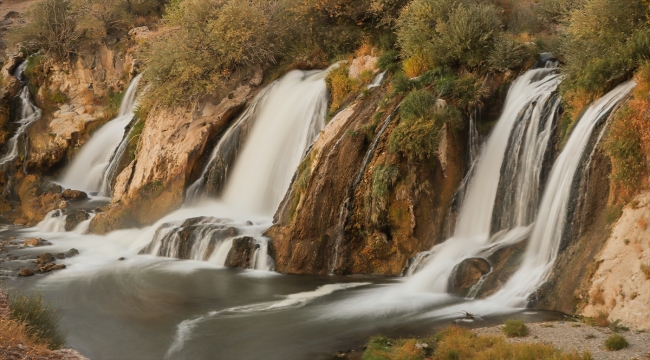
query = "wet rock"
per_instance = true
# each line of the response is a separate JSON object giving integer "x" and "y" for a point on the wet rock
{"x": 466, "y": 274}
{"x": 55, "y": 188}
{"x": 241, "y": 253}
{"x": 75, "y": 218}
{"x": 26, "y": 272}
{"x": 62, "y": 204}
{"x": 36, "y": 242}
{"x": 72, "y": 252}
{"x": 45, "y": 258}
{"x": 20, "y": 222}
{"x": 74, "y": 195}
{"x": 51, "y": 267}
{"x": 60, "y": 256}
{"x": 122, "y": 259}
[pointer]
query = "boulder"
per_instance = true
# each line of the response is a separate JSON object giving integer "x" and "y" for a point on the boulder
{"x": 72, "y": 252}
{"x": 25, "y": 272}
{"x": 74, "y": 195}
{"x": 75, "y": 218}
{"x": 362, "y": 64}
{"x": 36, "y": 242}
{"x": 51, "y": 267}
{"x": 55, "y": 188}
{"x": 467, "y": 274}
{"x": 45, "y": 258}
{"x": 241, "y": 253}
{"x": 20, "y": 222}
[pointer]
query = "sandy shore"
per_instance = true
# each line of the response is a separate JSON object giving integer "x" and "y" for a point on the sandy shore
{"x": 581, "y": 337}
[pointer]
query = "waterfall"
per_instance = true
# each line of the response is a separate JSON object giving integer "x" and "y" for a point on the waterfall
{"x": 528, "y": 95}
{"x": 256, "y": 160}
{"x": 94, "y": 168}
{"x": 546, "y": 235}
{"x": 27, "y": 113}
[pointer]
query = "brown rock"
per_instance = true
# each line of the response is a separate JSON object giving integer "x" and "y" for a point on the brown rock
{"x": 26, "y": 272}
{"x": 74, "y": 219}
{"x": 466, "y": 274}
{"x": 20, "y": 222}
{"x": 36, "y": 242}
{"x": 45, "y": 258}
{"x": 51, "y": 267}
{"x": 74, "y": 195}
{"x": 241, "y": 253}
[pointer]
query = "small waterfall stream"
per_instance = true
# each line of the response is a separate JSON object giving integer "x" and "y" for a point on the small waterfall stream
{"x": 26, "y": 114}
{"x": 94, "y": 169}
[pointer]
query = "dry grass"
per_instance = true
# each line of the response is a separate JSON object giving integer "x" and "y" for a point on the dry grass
{"x": 459, "y": 343}
{"x": 601, "y": 319}
{"x": 13, "y": 334}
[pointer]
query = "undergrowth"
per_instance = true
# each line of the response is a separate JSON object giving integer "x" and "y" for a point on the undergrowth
{"x": 41, "y": 323}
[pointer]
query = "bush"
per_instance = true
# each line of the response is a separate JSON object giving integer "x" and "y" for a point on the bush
{"x": 418, "y": 134}
{"x": 384, "y": 178}
{"x": 515, "y": 328}
{"x": 41, "y": 323}
{"x": 340, "y": 86}
{"x": 416, "y": 66}
{"x": 557, "y": 11}
{"x": 448, "y": 32}
{"x": 52, "y": 28}
{"x": 204, "y": 52}
{"x": 616, "y": 342}
{"x": 388, "y": 61}
{"x": 508, "y": 53}
{"x": 467, "y": 92}
{"x": 604, "y": 42}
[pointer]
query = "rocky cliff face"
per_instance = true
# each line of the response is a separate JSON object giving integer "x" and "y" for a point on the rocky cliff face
{"x": 168, "y": 158}
{"x": 335, "y": 219}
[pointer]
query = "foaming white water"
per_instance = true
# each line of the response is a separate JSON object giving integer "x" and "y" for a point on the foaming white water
{"x": 472, "y": 233}
{"x": 87, "y": 171}
{"x": 289, "y": 118}
{"x": 547, "y": 232}
{"x": 29, "y": 113}
{"x": 54, "y": 222}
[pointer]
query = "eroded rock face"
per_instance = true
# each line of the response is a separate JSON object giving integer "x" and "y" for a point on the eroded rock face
{"x": 334, "y": 222}
{"x": 168, "y": 159}
{"x": 620, "y": 287}
{"x": 466, "y": 274}
{"x": 241, "y": 253}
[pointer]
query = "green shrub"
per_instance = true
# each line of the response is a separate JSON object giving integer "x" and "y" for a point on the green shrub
{"x": 448, "y": 32}
{"x": 340, "y": 86}
{"x": 205, "y": 53}
{"x": 468, "y": 92}
{"x": 388, "y": 61}
{"x": 58, "y": 97}
{"x": 41, "y": 323}
{"x": 515, "y": 328}
{"x": 103, "y": 17}
{"x": 418, "y": 104}
{"x": 418, "y": 134}
{"x": 616, "y": 342}
{"x": 384, "y": 178}
{"x": 508, "y": 54}
{"x": 556, "y": 11}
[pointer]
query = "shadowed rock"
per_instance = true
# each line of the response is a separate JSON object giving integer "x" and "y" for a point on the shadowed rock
{"x": 241, "y": 253}
{"x": 466, "y": 274}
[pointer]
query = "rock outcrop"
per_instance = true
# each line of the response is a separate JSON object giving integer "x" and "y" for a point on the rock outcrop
{"x": 466, "y": 274}
{"x": 620, "y": 284}
{"x": 169, "y": 157}
{"x": 241, "y": 253}
{"x": 331, "y": 221}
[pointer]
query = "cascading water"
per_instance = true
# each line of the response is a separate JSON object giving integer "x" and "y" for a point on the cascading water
{"x": 94, "y": 168}
{"x": 546, "y": 235}
{"x": 278, "y": 128}
{"x": 26, "y": 113}
{"x": 529, "y": 94}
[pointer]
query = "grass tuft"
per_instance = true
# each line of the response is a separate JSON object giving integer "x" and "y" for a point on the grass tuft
{"x": 41, "y": 323}
{"x": 515, "y": 328}
{"x": 616, "y": 342}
